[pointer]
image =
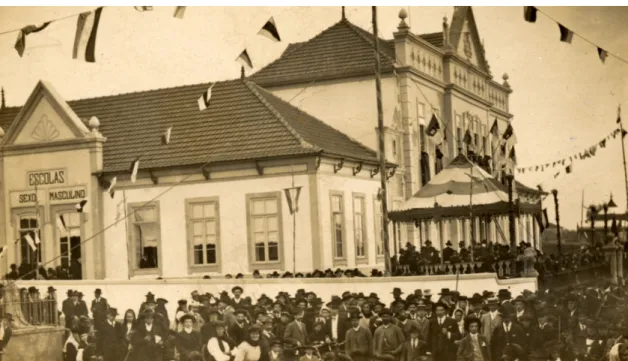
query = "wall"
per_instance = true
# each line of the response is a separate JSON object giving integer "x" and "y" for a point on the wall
{"x": 35, "y": 344}
{"x": 130, "y": 294}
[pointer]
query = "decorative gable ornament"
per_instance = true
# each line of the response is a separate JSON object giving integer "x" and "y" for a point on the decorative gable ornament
{"x": 468, "y": 51}
{"x": 45, "y": 130}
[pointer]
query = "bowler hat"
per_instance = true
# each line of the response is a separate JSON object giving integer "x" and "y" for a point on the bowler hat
{"x": 98, "y": 291}
{"x": 444, "y": 292}
{"x": 112, "y": 311}
{"x": 397, "y": 291}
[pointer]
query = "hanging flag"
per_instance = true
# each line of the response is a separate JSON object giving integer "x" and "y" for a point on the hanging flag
{"x": 557, "y": 174}
{"x": 434, "y": 130}
{"x": 37, "y": 240}
{"x": 292, "y": 196}
{"x": 539, "y": 221}
{"x": 3, "y": 250}
{"x": 20, "y": 43}
{"x": 529, "y": 14}
{"x": 603, "y": 143}
{"x": 61, "y": 224}
{"x": 540, "y": 188}
{"x": 244, "y": 59}
{"x": 509, "y": 136}
{"x": 566, "y": 35}
{"x": 165, "y": 138}
{"x": 179, "y": 12}
{"x": 269, "y": 30}
{"x": 545, "y": 217}
{"x": 619, "y": 114}
{"x": 30, "y": 241}
{"x": 512, "y": 155}
{"x": 81, "y": 205}
{"x": 204, "y": 100}
{"x": 86, "y": 32}
{"x": 112, "y": 187}
{"x": 143, "y": 8}
{"x": 135, "y": 165}
{"x": 623, "y": 134}
{"x": 568, "y": 169}
{"x": 603, "y": 54}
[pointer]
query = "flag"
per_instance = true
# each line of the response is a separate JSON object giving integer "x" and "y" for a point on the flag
{"x": 135, "y": 165}
{"x": 566, "y": 35}
{"x": 434, "y": 130}
{"x": 529, "y": 14}
{"x": 245, "y": 59}
{"x": 512, "y": 155}
{"x": 112, "y": 186}
{"x": 204, "y": 100}
{"x": 545, "y": 217}
{"x": 30, "y": 241}
{"x": 614, "y": 226}
{"x": 603, "y": 54}
{"x": 509, "y": 136}
{"x": 603, "y": 143}
{"x": 3, "y": 250}
{"x": 538, "y": 186}
{"x": 623, "y": 134}
{"x": 143, "y": 8}
{"x": 269, "y": 30}
{"x": 539, "y": 221}
{"x": 618, "y": 114}
{"x": 179, "y": 12}
{"x": 568, "y": 169}
{"x": 37, "y": 240}
{"x": 61, "y": 224}
{"x": 557, "y": 174}
{"x": 467, "y": 138}
{"x": 495, "y": 129}
{"x": 20, "y": 43}
{"x": 292, "y": 196}
{"x": 85, "y": 38}
{"x": 81, "y": 205}
{"x": 165, "y": 138}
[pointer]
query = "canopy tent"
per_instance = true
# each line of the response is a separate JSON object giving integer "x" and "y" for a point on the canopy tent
{"x": 454, "y": 192}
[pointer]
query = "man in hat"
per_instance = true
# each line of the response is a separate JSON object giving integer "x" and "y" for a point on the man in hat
{"x": 148, "y": 339}
{"x": 448, "y": 252}
{"x": 507, "y": 333}
{"x": 465, "y": 254}
{"x": 428, "y": 251}
{"x": 474, "y": 346}
{"x": 414, "y": 348}
{"x": 239, "y": 330}
{"x": 336, "y": 327}
{"x": 358, "y": 340}
{"x": 83, "y": 310}
{"x": 443, "y": 334}
{"x": 111, "y": 338}
{"x": 188, "y": 340}
{"x": 308, "y": 351}
{"x": 50, "y": 306}
{"x": 5, "y": 332}
{"x": 236, "y": 300}
{"x": 296, "y": 332}
{"x": 397, "y": 292}
{"x": 150, "y": 305}
{"x": 422, "y": 321}
{"x": 520, "y": 308}
{"x": 475, "y": 306}
{"x": 405, "y": 323}
{"x": 388, "y": 339}
{"x": 266, "y": 336}
{"x": 71, "y": 309}
{"x": 504, "y": 296}
{"x": 99, "y": 309}
{"x": 276, "y": 351}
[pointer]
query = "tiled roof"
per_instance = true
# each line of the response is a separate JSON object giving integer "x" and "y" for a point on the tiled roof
{"x": 339, "y": 51}
{"x": 435, "y": 39}
{"x": 243, "y": 122}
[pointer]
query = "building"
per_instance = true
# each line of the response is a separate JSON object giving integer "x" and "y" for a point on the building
{"x": 445, "y": 74}
{"x": 211, "y": 201}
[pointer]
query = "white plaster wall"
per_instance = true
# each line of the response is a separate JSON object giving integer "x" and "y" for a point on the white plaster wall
{"x": 233, "y": 224}
{"x": 130, "y": 294}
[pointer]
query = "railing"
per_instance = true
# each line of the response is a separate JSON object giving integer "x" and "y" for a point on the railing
{"x": 35, "y": 311}
{"x": 581, "y": 276}
{"x": 503, "y": 269}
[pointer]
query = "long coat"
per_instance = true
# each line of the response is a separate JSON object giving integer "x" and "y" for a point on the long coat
{"x": 99, "y": 311}
{"x": 443, "y": 345}
{"x": 489, "y": 325}
{"x": 466, "y": 350}
{"x": 146, "y": 345}
{"x": 501, "y": 338}
{"x": 111, "y": 341}
{"x": 187, "y": 343}
{"x": 411, "y": 353}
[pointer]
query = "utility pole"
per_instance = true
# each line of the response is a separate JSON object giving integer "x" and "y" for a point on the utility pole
{"x": 382, "y": 147}
{"x": 511, "y": 214}
{"x": 555, "y": 193}
{"x": 623, "y": 152}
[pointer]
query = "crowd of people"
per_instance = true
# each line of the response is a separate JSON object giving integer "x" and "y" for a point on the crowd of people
{"x": 585, "y": 324}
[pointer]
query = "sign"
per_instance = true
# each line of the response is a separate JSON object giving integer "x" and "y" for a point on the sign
{"x": 26, "y": 198}
{"x": 66, "y": 195}
{"x": 46, "y": 177}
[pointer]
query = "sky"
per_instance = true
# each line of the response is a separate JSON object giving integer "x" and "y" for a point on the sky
{"x": 564, "y": 101}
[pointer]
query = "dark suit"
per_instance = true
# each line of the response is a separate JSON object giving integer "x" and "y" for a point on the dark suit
{"x": 145, "y": 345}
{"x": 238, "y": 333}
{"x": 501, "y": 338}
{"x": 341, "y": 328}
{"x": 443, "y": 345}
{"x": 99, "y": 312}
{"x": 72, "y": 312}
{"x": 295, "y": 333}
{"x": 187, "y": 343}
{"x": 466, "y": 349}
{"x": 412, "y": 353}
{"x": 111, "y": 341}
{"x": 8, "y": 332}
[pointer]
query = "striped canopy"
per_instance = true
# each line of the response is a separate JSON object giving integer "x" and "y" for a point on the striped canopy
{"x": 453, "y": 190}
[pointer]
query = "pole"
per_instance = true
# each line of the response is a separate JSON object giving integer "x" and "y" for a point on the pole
{"x": 471, "y": 212}
{"x": 623, "y": 152}
{"x": 294, "y": 226}
{"x": 38, "y": 234}
{"x": 511, "y": 214}
{"x": 126, "y": 231}
{"x": 382, "y": 150}
{"x": 581, "y": 215}
{"x": 555, "y": 193}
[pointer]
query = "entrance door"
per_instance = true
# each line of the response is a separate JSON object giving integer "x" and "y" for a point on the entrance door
{"x": 70, "y": 244}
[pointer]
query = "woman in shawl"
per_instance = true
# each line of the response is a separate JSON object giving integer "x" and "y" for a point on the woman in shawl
{"x": 128, "y": 325}
{"x": 249, "y": 349}
{"x": 458, "y": 316}
{"x": 219, "y": 347}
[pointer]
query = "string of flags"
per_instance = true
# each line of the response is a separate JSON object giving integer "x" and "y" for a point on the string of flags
{"x": 566, "y": 34}
{"x": 567, "y": 163}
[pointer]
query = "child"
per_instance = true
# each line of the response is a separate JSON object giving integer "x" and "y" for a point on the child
{"x": 309, "y": 354}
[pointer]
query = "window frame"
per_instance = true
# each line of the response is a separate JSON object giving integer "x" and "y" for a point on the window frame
{"x": 134, "y": 269}
{"x": 189, "y": 224}
{"x": 364, "y": 259}
{"x": 55, "y": 211}
{"x": 34, "y": 211}
{"x": 266, "y": 265}
{"x": 338, "y": 261}
{"x": 378, "y": 223}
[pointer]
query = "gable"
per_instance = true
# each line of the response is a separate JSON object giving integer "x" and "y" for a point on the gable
{"x": 45, "y": 118}
{"x": 466, "y": 39}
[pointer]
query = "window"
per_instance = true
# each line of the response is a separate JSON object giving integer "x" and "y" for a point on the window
{"x": 70, "y": 239}
{"x": 420, "y": 112}
{"x": 203, "y": 233}
{"x": 425, "y": 168}
{"x": 484, "y": 149}
{"x": 265, "y": 229}
{"x": 338, "y": 224}
{"x": 145, "y": 237}
{"x": 29, "y": 227}
{"x": 379, "y": 237}
{"x": 359, "y": 228}
{"x": 459, "y": 127}
{"x": 422, "y": 136}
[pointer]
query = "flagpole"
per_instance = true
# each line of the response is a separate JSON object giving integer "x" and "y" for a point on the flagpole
{"x": 382, "y": 149}
{"x": 126, "y": 233}
{"x": 623, "y": 152}
{"x": 294, "y": 224}
{"x": 37, "y": 246}
{"x": 471, "y": 211}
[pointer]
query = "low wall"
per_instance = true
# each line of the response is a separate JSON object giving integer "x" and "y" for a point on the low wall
{"x": 36, "y": 344}
{"x": 130, "y": 294}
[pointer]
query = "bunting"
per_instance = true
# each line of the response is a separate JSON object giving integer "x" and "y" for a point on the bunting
{"x": 179, "y": 12}
{"x": 244, "y": 59}
{"x": 566, "y": 35}
{"x": 269, "y": 30}
{"x": 20, "y": 43}
{"x": 85, "y": 38}
{"x": 434, "y": 130}
{"x": 529, "y": 14}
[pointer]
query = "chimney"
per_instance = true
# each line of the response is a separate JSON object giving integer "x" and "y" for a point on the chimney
{"x": 2, "y": 102}
{"x": 242, "y": 72}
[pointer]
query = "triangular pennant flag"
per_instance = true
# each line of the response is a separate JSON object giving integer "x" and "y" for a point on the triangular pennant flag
{"x": 512, "y": 155}
{"x": 81, "y": 205}
{"x": 603, "y": 54}
{"x": 292, "y": 196}
{"x": 112, "y": 187}
{"x": 143, "y": 8}
{"x": 509, "y": 136}
{"x": 85, "y": 38}
{"x": 566, "y": 35}
{"x": 30, "y": 241}
{"x": 568, "y": 169}
{"x": 556, "y": 175}
{"x": 529, "y": 14}
{"x": 179, "y": 12}
{"x": 614, "y": 226}
{"x": 135, "y": 166}
{"x": 244, "y": 59}
{"x": 434, "y": 130}
{"x": 623, "y": 134}
{"x": 61, "y": 224}
{"x": 165, "y": 138}
{"x": 205, "y": 99}
{"x": 540, "y": 188}
{"x": 269, "y": 30}
{"x": 20, "y": 43}
{"x": 603, "y": 143}
{"x": 495, "y": 129}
